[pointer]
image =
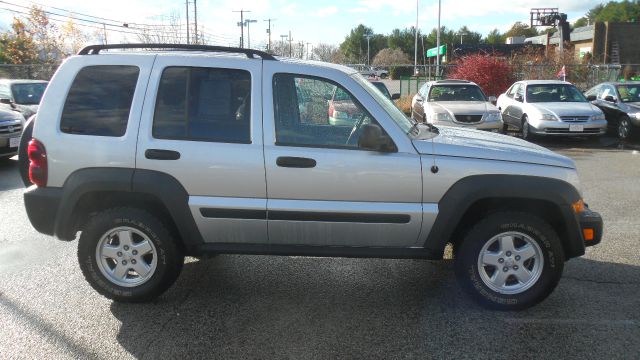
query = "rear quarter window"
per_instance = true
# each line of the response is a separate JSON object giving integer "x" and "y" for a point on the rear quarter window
{"x": 99, "y": 100}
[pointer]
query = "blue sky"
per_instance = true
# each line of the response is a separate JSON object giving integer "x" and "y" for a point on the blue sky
{"x": 309, "y": 21}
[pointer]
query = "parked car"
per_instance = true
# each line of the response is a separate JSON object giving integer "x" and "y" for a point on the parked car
{"x": 549, "y": 107}
{"x": 185, "y": 175}
{"x": 385, "y": 91}
{"x": 22, "y": 95}
{"x": 459, "y": 103}
{"x": 620, "y": 102}
{"x": 11, "y": 123}
{"x": 371, "y": 71}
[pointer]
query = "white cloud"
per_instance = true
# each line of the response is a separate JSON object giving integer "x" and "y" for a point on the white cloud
{"x": 325, "y": 11}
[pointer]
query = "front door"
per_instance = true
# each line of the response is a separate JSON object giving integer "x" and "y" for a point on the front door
{"x": 202, "y": 125}
{"x": 322, "y": 188}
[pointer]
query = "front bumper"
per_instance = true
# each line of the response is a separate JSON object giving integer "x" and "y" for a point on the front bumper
{"x": 591, "y": 227}
{"x": 5, "y": 141}
{"x": 598, "y": 127}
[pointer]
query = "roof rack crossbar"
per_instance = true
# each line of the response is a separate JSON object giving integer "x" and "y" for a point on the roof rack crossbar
{"x": 251, "y": 53}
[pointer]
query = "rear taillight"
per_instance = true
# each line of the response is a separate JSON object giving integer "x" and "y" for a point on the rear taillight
{"x": 38, "y": 170}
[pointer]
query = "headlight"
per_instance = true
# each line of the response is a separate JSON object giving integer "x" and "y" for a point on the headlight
{"x": 548, "y": 117}
{"x": 444, "y": 116}
{"x": 493, "y": 117}
{"x": 598, "y": 117}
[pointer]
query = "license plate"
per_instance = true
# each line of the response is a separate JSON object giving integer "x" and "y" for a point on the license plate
{"x": 576, "y": 128}
{"x": 14, "y": 142}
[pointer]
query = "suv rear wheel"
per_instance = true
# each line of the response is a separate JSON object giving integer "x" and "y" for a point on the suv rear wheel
{"x": 510, "y": 261}
{"x": 126, "y": 254}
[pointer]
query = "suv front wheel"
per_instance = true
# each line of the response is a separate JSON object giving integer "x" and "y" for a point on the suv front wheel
{"x": 510, "y": 261}
{"x": 127, "y": 255}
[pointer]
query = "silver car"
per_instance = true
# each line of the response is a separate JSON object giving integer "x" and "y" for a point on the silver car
{"x": 550, "y": 107}
{"x": 459, "y": 103}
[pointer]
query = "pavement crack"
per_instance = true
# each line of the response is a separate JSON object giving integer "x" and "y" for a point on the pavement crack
{"x": 176, "y": 308}
{"x": 602, "y": 282}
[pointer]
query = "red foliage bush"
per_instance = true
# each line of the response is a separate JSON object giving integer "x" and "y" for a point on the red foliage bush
{"x": 493, "y": 74}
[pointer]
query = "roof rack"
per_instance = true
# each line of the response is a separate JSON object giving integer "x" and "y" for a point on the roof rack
{"x": 251, "y": 53}
{"x": 454, "y": 81}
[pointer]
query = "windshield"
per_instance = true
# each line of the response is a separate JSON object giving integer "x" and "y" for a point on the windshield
{"x": 629, "y": 93}
{"x": 554, "y": 93}
{"x": 456, "y": 93}
{"x": 28, "y": 94}
{"x": 396, "y": 115}
{"x": 382, "y": 88}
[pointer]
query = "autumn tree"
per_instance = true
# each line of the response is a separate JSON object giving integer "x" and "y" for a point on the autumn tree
{"x": 17, "y": 46}
{"x": 493, "y": 74}
{"x": 45, "y": 34}
{"x": 72, "y": 38}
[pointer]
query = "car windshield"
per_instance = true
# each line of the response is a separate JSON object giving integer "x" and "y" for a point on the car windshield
{"x": 382, "y": 88}
{"x": 396, "y": 115}
{"x": 28, "y": 93}
{"x": 629, "y": 93}
{"x": 456, "y": 93}
{"x": 542, "y": 93}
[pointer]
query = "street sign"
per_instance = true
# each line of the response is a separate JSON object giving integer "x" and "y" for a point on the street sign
{"x": 432, "y": 52}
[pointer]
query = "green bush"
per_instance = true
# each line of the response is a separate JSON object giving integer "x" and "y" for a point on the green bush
{"x": 395, "y": 72}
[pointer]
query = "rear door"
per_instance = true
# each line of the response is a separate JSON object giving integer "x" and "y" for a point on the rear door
{"x": 202, "y": 124}
{"x": 323, "y": 189}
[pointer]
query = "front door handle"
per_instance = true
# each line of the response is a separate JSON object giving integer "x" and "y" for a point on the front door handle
{"x": 160, "y": 154}
{"x": 295, "y": 162}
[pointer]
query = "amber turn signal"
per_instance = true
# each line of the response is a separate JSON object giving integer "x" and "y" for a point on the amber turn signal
{"x": 588, "y": 234}
{"x": 578, "y": 206}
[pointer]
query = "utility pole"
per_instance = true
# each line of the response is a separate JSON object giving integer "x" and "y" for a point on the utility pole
{"x": 195, "y": 20}
{"x": 438, "y": 43}
{"x": 282, "y": 37}
{"x": 104, "y": 29}
{"x": 368, "y": 37}
{"x": 186, "y": 3}
{"x": 269, "y": 32}
{"x": 248, "y": 22}
{"x": 308, "y": 43}
{"x": 241, "y": 24}
{"x": 415, "y": 56}
{"x": 461, "y": 35}
{"x": 290, "y": 40}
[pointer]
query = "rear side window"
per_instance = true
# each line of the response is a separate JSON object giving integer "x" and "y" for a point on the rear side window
{"x": 203, "y": 104}
{"x": 99, "y": 100}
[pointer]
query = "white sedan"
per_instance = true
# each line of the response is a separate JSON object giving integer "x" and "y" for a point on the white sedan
{"x": 549, "y": 107}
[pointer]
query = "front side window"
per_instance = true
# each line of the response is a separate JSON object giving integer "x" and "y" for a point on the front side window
{"x": 311, "y": 111}
{"x": 456, "y": 93}
{"x": 99, "y": 100}
{"x": 629, "y": 93}
{"x": 554, "y": 93}
{"x": 203, "y": 104}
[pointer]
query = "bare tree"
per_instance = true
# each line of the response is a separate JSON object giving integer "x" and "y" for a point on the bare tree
{"x": 166, "y": 33}
{"x": 324, "y": 52}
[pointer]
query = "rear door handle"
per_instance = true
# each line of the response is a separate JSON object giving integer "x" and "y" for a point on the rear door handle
{"x": 295, "y": 162}
{"x": 160, "y": 154}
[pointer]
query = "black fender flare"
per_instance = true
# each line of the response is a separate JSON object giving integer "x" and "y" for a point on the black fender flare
{"x": 158, "y": 185}
{"x": 469, "y": 190}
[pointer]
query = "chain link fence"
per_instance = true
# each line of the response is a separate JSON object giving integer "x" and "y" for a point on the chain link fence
{"x": 28, "y": 71}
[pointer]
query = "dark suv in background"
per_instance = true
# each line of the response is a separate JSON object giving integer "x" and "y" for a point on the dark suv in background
{"x": 620, "y": 102}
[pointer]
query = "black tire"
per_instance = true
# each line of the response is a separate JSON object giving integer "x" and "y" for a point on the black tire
{"x": 468, "y": 269}
{"x": 526, "y": 129}
{"x": 505, "y": 128}
{"x": 625, "y": 129}
{"x": 169, "y": 256}
{"x": 23, "y": 157}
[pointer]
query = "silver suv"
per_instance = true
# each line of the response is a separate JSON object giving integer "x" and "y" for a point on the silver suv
{"x": 156, "y": 155}
{"x": 459, "y": 103}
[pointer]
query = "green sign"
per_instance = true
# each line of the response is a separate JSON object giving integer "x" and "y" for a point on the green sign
{"x": 432, "y": 52}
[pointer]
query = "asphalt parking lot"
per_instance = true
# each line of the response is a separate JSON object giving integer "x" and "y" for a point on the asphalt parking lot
{"x": 293, "y": 307}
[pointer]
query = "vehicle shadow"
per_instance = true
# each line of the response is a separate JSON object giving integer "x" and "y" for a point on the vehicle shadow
{"x": 10, "y": 175}
{"x": 290, "y": 307}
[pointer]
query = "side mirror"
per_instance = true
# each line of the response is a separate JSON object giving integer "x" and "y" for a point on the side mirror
{"x": 395, "y": 96}
{"x": 610, "y": 98}
{"x": 7, "y": 101}
{"x": 591, "y": 98}
{"x": 372, "y": 138}
{"x": 519, "y": 97}
{"x": 492, "y": 99}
